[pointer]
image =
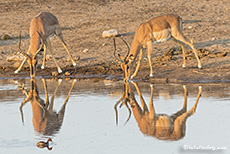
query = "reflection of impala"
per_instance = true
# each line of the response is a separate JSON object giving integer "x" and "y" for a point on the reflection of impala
{"x": 161, "y": 126}
{"x": 45, "y": 120}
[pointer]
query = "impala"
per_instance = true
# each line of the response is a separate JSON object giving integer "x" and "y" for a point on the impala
{"x": 161, "y": 126}
{"x": 45, "y": 120}
{"x": 156, "y": 30}
{"x": 46, "y": 25}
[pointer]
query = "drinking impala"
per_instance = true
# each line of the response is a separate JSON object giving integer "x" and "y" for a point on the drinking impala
{"x": 42, "y": 27}
{"x": 156, "y": 30}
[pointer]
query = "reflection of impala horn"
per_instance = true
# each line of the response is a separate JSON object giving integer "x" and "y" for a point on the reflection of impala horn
{"x": 124, "y": 100}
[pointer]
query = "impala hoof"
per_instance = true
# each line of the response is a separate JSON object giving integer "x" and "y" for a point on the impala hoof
{"x": 183, "y": 66}
{"x": 42, "y": 67}
{"x": 199, "y": 66}
{"x": 16, "y": 71}
{"x": 150, "y": 75}
{"x": 74, "y": 64}
{"x": 60, "y": 71}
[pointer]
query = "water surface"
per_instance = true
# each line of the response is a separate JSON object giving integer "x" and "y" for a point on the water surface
{"x": 87, "y": 122}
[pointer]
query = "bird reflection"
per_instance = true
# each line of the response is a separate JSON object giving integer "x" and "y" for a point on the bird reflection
{"x": 45, "y": 120}
{"x": 161, "y": 126}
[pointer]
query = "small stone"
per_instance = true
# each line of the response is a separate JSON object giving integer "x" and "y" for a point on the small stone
{"x": 85, "y": 50}
{"x": 67, "y": 74}
{"x": 190, "y": 27}
{"x": 54, "y": 74}
{"x": 48, "y": 57}
{"x": 103, "y": 44}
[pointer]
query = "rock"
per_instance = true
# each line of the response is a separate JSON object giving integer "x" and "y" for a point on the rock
{"x": 54, "y": 74}
{"x": 109, "y": 33}
{"x": 85, "y": 50}
{"x": 67, "y": 74}
{"x": 190, "y": 27}
{"x": 5, "y": 37}
{"x": 213, "y": 39}
{"x": 48, "y": 57}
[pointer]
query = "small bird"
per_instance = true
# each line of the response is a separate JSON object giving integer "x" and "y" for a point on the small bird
{"x": 43, "y": 144}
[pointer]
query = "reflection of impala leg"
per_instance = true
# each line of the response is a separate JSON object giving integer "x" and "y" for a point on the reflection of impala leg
{"x": 179, "y": 123}
{"x": 151, "y": 106}
{"x": 137, "y": 110}
{"x": 67, "y": 97}
{"x": 193, "y": 110}
{"x": 144, "y": 106}
{"x": 50, "y": 49}
{"x": 24, "y": 102}
{"x": 20, "y": 67}
{"x": 184, "y": 109}
{"x": 53, "y": 95}
{"x": 46, "y": 93}
{"x": 61, "y": 113}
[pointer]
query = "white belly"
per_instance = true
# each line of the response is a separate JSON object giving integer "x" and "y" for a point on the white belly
{"x": 161, "y": 36}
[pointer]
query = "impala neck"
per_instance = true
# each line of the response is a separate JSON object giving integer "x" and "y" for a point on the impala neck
{"x": 34, "y": 43}
{"x": 135, "y": 47}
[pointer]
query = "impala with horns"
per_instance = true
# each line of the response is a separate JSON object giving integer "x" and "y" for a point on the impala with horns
{"x": 45, "y": 120}
{"x": 46, "y": 25}
{"x": 161, "y": 126}
{"x": 156, "y": 30}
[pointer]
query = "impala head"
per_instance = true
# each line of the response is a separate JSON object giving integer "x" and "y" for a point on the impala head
{"x": 124, "y": 62}
{"x": 32, "y": 59}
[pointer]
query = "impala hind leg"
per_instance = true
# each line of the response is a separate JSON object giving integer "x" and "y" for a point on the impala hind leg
{"x": 183, "y": 52}
{"x": 60, "y": 36}
{"x": 50, "y": 49}
{"x": 182, "y": 38}
{"x": 20, "y": 67}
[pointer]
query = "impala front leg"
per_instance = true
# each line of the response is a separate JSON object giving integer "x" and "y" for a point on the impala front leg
{"x": 138, "y": 64}
{"x": 44, "y": 58}
{"x": 50, "y": 49}
{"x": 20, "y": 67}
{"x": 150, "y": 49}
